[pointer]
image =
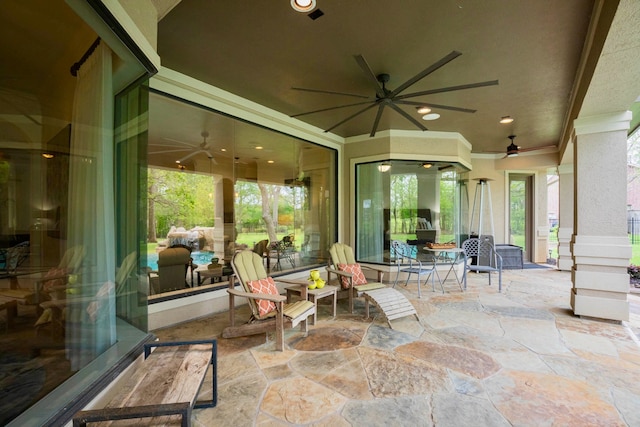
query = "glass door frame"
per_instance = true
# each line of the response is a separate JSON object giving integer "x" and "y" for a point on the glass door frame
{"x": 528, "y": 206}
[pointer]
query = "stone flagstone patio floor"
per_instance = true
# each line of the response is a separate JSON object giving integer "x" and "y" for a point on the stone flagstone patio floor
{"x": 475, "y": 358}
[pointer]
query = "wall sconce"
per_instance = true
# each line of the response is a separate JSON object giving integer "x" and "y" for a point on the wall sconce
{"x": 384, "y": 167}
{"x": 303, "y": 5}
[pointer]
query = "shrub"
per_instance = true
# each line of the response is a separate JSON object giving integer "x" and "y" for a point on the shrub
{"x": 634, "y": 271}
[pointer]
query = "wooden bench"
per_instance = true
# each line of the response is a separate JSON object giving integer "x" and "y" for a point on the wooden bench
{"x": 165, "y": 385}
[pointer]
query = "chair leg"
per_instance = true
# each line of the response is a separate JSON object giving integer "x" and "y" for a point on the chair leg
{"x": 499, "y": 280}
{"x": 280, "y": 330}
{"x": 395, "y": 282}
{"x": 351, "y": 291}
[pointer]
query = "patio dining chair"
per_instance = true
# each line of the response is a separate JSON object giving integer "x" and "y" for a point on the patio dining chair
{"x": 482, "y": 257}
{"x": 408, "y": 263}
{"x": 12, "y": 258}
{"x": 269, "y": 309}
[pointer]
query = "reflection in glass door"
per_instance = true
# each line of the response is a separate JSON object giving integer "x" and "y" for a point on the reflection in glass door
{"x": 520, "y": 212}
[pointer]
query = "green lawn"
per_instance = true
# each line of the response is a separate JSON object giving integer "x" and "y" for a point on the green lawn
{"x": 635, "y": 257}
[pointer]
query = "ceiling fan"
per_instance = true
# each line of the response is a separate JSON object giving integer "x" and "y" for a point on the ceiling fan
{"x": 385, "y": 97}
{"x": 193, "y": 149}
{"x": 513, "y": 150}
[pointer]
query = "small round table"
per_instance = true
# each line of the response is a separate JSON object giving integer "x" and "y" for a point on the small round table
{"x": 459, "y": 252}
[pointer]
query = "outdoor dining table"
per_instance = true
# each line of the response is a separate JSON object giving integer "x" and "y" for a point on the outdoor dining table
{"x": 459, "y": 254}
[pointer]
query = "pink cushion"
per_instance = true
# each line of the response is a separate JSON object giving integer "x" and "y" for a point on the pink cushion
{"x": 58, "y": 278}
{"x": 264, "y": 286}
{"x": 358, "y": 276}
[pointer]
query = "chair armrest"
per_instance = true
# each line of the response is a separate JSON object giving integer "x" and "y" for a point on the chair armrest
{"x": 291, "y": 282}
{"x": 268, "y": 297}
{"x": 379, "y": 272}
{"x": 338, "y": 272}
{"x": 46, "y": 279}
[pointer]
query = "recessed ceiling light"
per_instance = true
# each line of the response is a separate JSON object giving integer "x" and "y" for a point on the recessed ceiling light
{"x": 431, "y": 116}
{"x": 223, "y": 149}
{"x": 258, "y": 147}
{"x": 506, "y": 119}
{"x": 427, "y": 165}
{"x": 424, "y": 110}
{"x": 303, "y": 5}
{"x": 178, "y": 161}
{"x": 269, "y": 161}
{"x": 47, "y": 155}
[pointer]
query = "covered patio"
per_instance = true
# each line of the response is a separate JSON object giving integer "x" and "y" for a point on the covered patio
{"x": 482, "y": 358}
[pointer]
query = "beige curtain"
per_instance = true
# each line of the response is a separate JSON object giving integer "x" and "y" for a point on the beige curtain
{"x": 372, "y": 199}
{"x": 91, "y": 326}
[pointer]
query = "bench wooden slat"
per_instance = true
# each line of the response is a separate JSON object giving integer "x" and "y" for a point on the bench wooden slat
{"x": 166, "y": 382}
{"x": 392, "y": 303}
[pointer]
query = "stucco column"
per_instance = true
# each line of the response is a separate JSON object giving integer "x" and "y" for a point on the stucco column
{"x": 600, "y": 246}
{"x": 565, "y": 216}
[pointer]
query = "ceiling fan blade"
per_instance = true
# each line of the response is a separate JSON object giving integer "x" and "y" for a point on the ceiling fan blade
{"x": 177, "y": 150}
{"x": 407, "y": 116}
{"x": 331, "y": 108}
{"x": 439, "y": 106}
{"x": 449, "y": 89}
{"x": 180, "y": 142}
{"x": 370, "y": 75}
{"x": 377, "y": 120}
{"x": 210, "y": 156}
{"x": 188, "y": 156}
{"x": 430, "y": 69}
{"x": 351, "y": 116}
{"x": 542, "y": 147}
{"x": 330, "y": 92}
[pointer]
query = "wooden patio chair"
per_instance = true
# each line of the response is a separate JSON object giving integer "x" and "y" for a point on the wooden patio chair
{"x": 50, "y": 282}
{"x": 269, "y": 310}
{"x": 342, "y": 263}
{"x": 392, "y": 303}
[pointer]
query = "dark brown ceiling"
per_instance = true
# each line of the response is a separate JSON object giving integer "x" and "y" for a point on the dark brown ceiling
{"x": 260, "y": 50}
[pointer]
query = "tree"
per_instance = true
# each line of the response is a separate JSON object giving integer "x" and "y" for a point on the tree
{"x": 270, "y": 195}
{"x": 178, "y": 198}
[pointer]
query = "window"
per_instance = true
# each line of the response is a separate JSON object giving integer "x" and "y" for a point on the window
{"x": 218, "y": 184}
{"x": 408, "y": 202}
{"x": 63, "y": 276}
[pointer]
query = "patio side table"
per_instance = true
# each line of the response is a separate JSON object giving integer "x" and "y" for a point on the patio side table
{"x": 314, "y": 295}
